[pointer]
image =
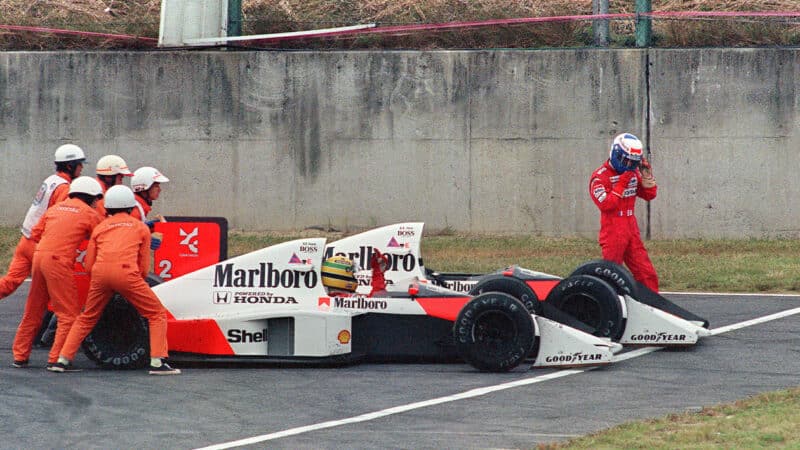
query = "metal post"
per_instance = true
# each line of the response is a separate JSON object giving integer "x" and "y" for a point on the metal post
{"x": 600, "y": 27}
{"x": 234, "y": 18}
{"x": 643, "y": 24}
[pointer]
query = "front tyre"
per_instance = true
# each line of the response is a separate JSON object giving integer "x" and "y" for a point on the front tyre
{"x": 593, "y": 302}
{"x": 494, "y": 332}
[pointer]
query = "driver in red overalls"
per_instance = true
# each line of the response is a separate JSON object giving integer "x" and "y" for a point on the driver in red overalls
{"x": 614, "y": 187}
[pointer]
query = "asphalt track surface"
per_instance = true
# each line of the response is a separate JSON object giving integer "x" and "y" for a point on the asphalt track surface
{"x": 395, "y": 405}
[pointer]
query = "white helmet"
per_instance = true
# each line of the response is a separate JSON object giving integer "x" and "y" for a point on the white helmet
{"x": 144, "y": 177}
{"x": 119, "y": 197}
{"x": 86, "y": 185}
{"x": 112, "y": 165}
{"x": 625, "y": 153}
{"x": 69, "y": 153}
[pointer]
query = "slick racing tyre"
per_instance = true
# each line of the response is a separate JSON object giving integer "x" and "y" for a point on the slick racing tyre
{"x": 592, "y": 301}
{"x": 511, "y": 286}
{"x": 494, "y": 332}
{"x": 515, "y": 288}
{"x": 614, "y": 274}
{"x": 121, "y": 338}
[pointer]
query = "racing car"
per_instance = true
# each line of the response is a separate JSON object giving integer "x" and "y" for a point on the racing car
{"x": 271, "y": 306}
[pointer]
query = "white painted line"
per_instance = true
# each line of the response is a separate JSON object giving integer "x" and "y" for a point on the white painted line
{"x": 756, "y": 321}
{"x": 731, "y": 294}
{"x": 479, "y": 391}
{"x": 397, "y": 409}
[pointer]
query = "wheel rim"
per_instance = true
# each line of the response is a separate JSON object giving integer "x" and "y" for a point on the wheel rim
{"x": 494, "y": 332}
{"x": 585, "y": 308}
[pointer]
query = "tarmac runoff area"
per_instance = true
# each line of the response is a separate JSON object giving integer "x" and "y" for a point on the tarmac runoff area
{"x": 753, "y": 349}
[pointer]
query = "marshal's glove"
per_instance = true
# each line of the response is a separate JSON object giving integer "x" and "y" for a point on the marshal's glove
{"x": 648, "y": 180}
{"x": 155, "y": 241}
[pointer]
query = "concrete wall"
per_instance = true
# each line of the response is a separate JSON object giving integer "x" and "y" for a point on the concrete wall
{"x": 473, "y": 140}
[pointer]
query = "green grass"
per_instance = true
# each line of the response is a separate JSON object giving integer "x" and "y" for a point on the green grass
{"x": 724, "y": 265}
{"x": 763, "y": 421}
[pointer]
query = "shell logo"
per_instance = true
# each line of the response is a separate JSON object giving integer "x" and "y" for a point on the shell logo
{"x": 344, "y": 337}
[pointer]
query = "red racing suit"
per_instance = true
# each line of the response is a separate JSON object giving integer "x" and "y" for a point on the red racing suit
{"x": 619, "y": 236}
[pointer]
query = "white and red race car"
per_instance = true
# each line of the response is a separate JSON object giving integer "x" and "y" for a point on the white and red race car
{"x": 270, "y": 306}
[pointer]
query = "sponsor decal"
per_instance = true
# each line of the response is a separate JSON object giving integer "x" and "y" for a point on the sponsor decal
{"x": 190, "y": 240}
{"x": 324, "y": 303}
{"x": 658, "y": 337}
{"x": 355, "y": 303}
{"x": 405, "y": 232}
{"x": 309, "y": 247}
{"x": 265, "y": 275}
{"x": 344, "y": 337}
{"x": 599, "y": 193}
{"x": 608, "y": 274}
{"x": 40, "y": 195}
{"x": 247, "y": 337}
{"x": 81, "y": 255}
{"x": 251, "y": 298}
{"x": 296, "y": 260}
{"x": 397, "y": 263}
{"x": 221, "y": 297}
{"x": 364, "y": 278}
{"x": 393, "y": 243}
{"x": 574, "y": 358}
{"x": 459, "y": 285}
{"x": 262, "y": 297}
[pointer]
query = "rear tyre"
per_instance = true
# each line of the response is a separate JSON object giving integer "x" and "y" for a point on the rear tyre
{"x": 121, "y": 338}
{"x": 511, "y": 286}
{"x": 592, "y": 301}
{"x": 614, "y": 274}
{"x": 494, "y": 332}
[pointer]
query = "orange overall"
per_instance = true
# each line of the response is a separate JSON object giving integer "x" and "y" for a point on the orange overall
{"x": 21, "y": 262}
{"x": 137, "y": 213}
{"x": 118, "y": 257}
{"x": 59, "y": 232}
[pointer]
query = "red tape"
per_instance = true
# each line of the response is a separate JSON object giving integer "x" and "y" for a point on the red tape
{"x": 79, "y": 33}
{"x": 405, "y": 29}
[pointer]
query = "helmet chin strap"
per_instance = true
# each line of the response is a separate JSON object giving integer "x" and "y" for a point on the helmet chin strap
{"x": 73, "y": 168}
{"x": 146, "y": 196}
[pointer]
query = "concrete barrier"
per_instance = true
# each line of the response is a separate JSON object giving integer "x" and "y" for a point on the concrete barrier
{"x": 485, "y": 141}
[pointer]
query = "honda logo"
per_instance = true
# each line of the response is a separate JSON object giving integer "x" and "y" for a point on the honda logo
{"x": 221, "y": 298}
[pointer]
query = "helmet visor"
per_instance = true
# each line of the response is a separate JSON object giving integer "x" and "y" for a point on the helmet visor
{"x": 623, "y": 160}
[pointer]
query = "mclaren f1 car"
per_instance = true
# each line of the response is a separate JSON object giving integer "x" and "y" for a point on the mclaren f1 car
{"x": 271, "y": 306}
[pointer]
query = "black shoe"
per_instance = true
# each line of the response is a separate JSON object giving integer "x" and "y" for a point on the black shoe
{"x": 20, "y": 364}
{"x": 164, "y": 369}
{"x": 61, "y": 367}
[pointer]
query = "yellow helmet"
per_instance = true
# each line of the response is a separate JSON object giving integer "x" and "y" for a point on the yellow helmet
{"x": 337, "y": 273}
